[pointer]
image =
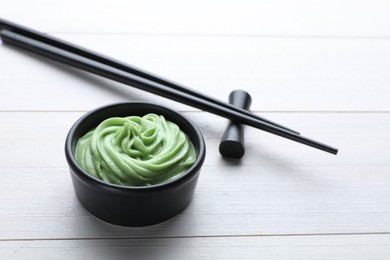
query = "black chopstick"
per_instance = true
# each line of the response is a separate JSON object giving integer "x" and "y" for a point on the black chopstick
{"x": 52, "y": 41}
{"x": 150, "y": 86}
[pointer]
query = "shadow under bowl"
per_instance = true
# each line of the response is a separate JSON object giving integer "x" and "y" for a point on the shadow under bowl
{"x": 133, "y": 205}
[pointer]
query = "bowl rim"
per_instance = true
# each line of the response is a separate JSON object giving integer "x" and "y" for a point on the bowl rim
{"x": 81, "y": 173}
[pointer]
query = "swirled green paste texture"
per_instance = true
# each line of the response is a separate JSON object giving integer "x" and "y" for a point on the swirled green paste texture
{"x": 135, "y": 151}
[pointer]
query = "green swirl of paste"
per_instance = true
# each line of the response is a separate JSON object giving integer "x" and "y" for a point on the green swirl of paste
{"x": 135, "y": 151}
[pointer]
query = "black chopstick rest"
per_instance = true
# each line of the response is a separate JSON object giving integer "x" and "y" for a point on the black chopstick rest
{"x": 232, "y": 143}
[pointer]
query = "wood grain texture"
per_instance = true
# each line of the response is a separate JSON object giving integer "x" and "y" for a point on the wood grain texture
{"x": 281, "y": 74}
{"x": 248, "y": 17}
{"x": 320, "y": 67}
{"x": 311, "y": 247}
{"x": 278, "y": 188}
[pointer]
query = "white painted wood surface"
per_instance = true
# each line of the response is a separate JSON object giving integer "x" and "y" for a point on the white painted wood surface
{"x": 321, "y": 67}
{"x": 283, "y": 74}
{"x": 280, "y": 247}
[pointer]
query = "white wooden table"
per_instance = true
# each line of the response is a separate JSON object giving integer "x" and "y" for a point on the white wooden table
{"x": 321, "y": 67}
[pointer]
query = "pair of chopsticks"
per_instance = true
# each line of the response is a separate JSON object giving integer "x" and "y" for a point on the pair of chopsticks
{"x": 84, "y": 59}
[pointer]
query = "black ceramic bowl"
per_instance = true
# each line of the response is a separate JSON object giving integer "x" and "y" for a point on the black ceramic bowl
{"x": 130, "y": 205}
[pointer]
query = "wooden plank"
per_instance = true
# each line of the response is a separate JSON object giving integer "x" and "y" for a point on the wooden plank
{"x": 282, "y": 200}
{"x": 279, "y": 187}
{"x": 311, "y": 247}
{"x": 250, "y": 17}
{"x": 282, "y": 74}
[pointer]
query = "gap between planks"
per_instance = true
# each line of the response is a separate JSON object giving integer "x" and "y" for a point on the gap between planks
{"x": 190, "y": 237}
{"x": 226, "y": 35}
